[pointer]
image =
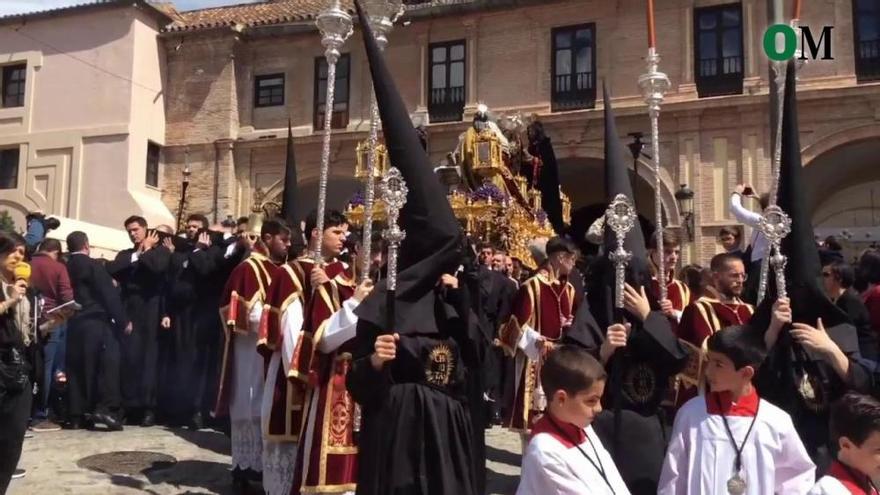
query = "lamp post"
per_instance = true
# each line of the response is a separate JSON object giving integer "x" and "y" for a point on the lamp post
{"x": 685, "y": 198}
{"x": 183, "y": 187}
{"x": 381, "y": 15}
{"x": 336, "y": 26}
{"x": 635, "y": 148}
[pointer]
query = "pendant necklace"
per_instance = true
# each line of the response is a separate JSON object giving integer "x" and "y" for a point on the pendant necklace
{"x": 599, "y": 467}
{"x": 736, "y": 485}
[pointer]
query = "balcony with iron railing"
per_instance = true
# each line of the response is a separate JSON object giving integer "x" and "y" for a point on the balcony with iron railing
{"x": 574, "y": 91}
{"x": 868, "y": 60}
{"x": 447, "y": 104}
{"x": 720, "y": 76}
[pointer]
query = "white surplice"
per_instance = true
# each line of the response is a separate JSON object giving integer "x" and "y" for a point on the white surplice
{"x": 246, "y": 396}
{"x": 279, "y": 458}
{"x": 701, "y": 456}
{"x": 551, "y": 466}
{"x": 828, "y": 485}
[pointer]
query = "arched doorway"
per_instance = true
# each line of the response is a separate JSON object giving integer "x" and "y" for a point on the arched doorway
{"x": 583, "y": 179}
{"x": 842, "y": 186}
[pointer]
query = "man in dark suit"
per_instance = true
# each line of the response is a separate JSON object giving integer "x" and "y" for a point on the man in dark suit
{"x": 141, "y": 273}
{"x": 93, "y": 339}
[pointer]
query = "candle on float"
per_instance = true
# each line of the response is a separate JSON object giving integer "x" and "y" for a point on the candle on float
{"x": 652, "y": 42}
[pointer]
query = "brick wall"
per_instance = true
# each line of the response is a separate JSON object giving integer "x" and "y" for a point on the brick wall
{"x": 210, "y": 86}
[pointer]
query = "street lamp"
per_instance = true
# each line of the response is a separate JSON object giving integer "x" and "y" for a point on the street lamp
{"x": 635, "y": 148}
{"x": 685, "y": 198}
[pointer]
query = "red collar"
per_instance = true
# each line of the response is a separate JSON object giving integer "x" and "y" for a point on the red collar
{"x": 845, "y": 477}
{"x": 569, "y": 431}
{"x": 746, "y": 407}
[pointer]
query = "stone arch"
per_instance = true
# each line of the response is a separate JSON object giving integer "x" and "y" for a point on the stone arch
{"x": 646, "y": 173}
{"x": 842, "y": 180}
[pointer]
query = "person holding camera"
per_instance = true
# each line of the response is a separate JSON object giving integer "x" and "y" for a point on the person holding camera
{"x": 38, "y": 227}
{"x": 758, "y": 247}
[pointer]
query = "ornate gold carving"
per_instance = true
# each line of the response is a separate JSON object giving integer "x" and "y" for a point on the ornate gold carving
{"x": 440, "y": 365}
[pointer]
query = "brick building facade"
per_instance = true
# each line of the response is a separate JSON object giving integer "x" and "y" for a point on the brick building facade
{"x": 235, "y": 75}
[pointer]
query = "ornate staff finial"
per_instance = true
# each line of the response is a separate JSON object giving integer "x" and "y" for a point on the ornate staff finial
{"x": 393, "y": 189}
{"x": 620, "y": 217}
{"x": 775, "y": 224}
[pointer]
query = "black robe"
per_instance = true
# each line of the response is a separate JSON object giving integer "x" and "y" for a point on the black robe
{"x": 636, "y": 436}
{"x": 417, "y": 428}
{"x": 141, "y": 284}
{"x": 185, "y": 349}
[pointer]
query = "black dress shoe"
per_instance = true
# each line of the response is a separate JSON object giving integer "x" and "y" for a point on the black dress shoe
{"x": 196, "y": 422}
{"x": 149, "y": 419}
{"x": 109, "y": 421}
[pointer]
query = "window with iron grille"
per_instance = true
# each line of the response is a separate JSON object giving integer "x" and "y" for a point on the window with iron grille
{"x": 446, "y": 83}
{"x": 866, "y": 17}
{"x": 574, "y": 67}
{"x": 341, "y": 90}
{"x": 9, "y": 168}
{"x": 718, "y": 50}
{"x": 269, "y": 90}
{"x": 153, "y": 152}
{"x": 13, "y": 85}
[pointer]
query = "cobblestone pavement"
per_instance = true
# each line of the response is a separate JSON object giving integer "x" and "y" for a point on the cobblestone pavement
{"x": 202, "y": 462}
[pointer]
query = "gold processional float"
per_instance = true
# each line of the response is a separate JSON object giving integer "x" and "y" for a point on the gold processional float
{"x": 492, "y": 204}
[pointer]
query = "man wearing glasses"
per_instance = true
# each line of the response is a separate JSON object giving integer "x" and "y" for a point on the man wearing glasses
{"x": 707, "y": 315}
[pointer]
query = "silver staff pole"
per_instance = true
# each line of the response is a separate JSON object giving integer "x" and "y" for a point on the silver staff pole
{"x": 780, "y": 69}
{"x": 381, "y": 15}
{"x": 336, "y": 26}
{"x": 393, "y": 189}
{"x": 654, "y": 86}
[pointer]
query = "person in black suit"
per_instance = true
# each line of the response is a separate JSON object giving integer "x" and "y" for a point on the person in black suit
{"x": 141, "y": 273}
{"x": 838, "y": 278}
{"x": 93, "y": 340}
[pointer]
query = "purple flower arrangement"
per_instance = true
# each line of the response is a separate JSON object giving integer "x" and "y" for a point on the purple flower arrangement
{"x": 357, "y": 199}
{"x": 488, "y": 192}
{"x": 541, "y": 216}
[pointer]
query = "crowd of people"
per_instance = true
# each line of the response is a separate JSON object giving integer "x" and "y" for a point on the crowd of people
{"x": 334, "y": 372}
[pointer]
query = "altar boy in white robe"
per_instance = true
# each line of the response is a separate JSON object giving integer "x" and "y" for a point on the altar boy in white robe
{"x": 729, "y": 440}
{"x": 564, "y": 455}
{"x": 855, "y": 428}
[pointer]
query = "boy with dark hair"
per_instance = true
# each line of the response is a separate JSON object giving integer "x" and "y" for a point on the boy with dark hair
{"x": 564, "y": 454}
{"x": 542, "y": 312}
{"x": 730, "y": 440}
{"x": 855, "y": 428}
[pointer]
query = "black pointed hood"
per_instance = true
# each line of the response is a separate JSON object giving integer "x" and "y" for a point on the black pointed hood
{"x": 433, "y": 245}
{"x": 617, "y": 181}
{"x": 803, "y": 270}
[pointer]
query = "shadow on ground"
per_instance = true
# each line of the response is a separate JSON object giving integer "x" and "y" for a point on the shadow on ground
{"x": 214, "y": 441}
{"x": 502, "y": 456}
{"x": 191, "y": 476}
